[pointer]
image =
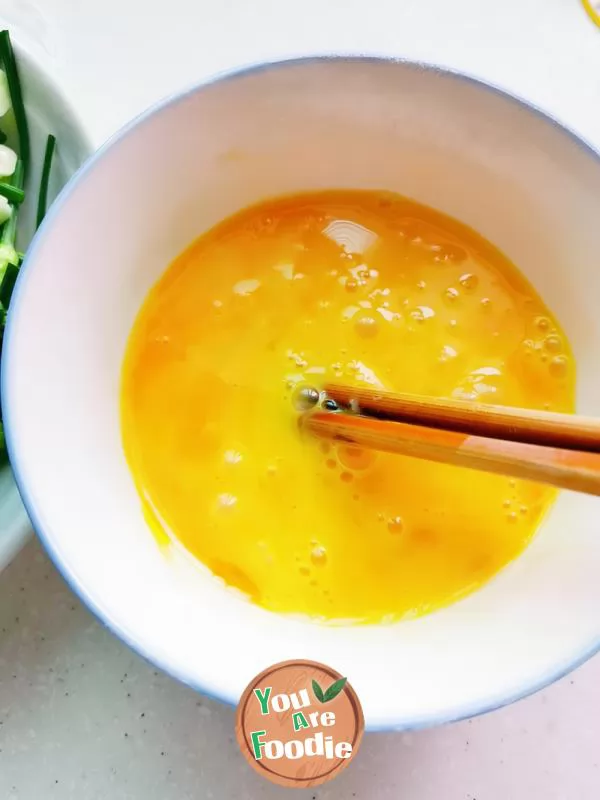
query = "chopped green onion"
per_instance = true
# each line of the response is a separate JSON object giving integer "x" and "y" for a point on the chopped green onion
{"x": 7, "y": 59}
{"x": 9, "y": 231}
{"x": 11, "y": 189}
{"x": 6, "y": 210}
{"x": 12, "y": 186}
{"x": 8, "y": 161}
{"x": 45, "y": 179}
{"x": 12, "y": 193}
{"x": 5, "y": 102}
{"x": 8, "y": 283}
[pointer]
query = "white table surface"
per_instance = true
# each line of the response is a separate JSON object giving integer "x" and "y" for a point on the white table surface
{"x": 81, "y": 716}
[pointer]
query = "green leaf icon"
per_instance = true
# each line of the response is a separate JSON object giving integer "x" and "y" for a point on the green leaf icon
{"x": 318, "y": 692}
{"x": 334, "y": 690}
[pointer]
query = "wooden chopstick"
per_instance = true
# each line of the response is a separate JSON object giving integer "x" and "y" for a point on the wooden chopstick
{"x": 530, "y": 426}
{"x": 564, "y": 469}
{"x": 529, "y": 457}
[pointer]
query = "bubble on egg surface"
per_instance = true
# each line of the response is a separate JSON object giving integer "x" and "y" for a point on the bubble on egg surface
{"x": 226, "y": 500}
{"x": 448, "y": 353}
{"x": 553, "y": 343}
{"x": 395, "y": 525}
{"x": 421, "y": 313}
{"x": 305, "y": 397}
{"x": 366, "y": 327}
{"x": 318, "y": 555}
{"x": 356, "y": 458}
{"x": 246, "y": 287}
{"x": 559, "y": 366}
{"x": 469, "y": 281}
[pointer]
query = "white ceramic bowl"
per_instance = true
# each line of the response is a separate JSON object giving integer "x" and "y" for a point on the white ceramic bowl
{"x": 448, "y": 141}
{"x": 48, "y": 111}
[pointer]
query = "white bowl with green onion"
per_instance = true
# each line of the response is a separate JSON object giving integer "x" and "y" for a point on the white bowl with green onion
{"x": 33, "y": 108}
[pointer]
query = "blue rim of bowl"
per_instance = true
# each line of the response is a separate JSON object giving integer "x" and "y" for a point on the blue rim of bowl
{"x": 129, "y": 638}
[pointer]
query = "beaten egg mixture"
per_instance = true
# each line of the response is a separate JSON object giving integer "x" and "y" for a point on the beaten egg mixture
{"x": 347, "y": 286}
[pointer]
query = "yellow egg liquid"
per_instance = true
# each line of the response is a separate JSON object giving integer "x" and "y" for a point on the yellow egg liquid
{"x": 360, "y": 287}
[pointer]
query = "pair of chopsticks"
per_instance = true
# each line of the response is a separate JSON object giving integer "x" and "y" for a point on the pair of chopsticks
{"x": 562, "y": 450}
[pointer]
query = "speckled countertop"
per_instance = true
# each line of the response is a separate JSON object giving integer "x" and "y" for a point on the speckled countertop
{"x": 81, "y": 716}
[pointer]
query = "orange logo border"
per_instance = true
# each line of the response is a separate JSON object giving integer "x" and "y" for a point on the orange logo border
{"x": 262, "y": 766}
